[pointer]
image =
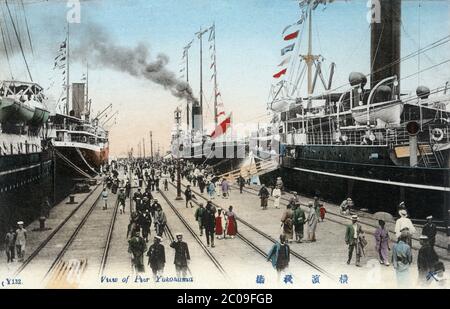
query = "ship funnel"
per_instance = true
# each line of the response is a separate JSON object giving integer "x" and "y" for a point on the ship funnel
{"x": 423, "y": 92}
{"x": 197, "y": 117}
{"x": 78, "y": 99}
{"x": 385, "y": 41}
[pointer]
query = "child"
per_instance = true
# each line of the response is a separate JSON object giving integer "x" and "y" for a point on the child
{"x": 323, "y": 211}
{"x": 9, "y": 245}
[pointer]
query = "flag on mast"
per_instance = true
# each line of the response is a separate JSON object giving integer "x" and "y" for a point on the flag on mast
{"x": 285, "y": 61}
{"x": 221, "y": 128}
{"x": 212, "y": 33}
{"x": 291, "y": 36}
{"x": 279, "y": 74}
{"x": 287, "y": 49}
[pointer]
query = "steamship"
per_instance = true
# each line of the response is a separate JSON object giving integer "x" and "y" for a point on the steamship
{"x": 81, "y": 144}
{"x": 26, "y": 161}
{"x": 368, "y": 142}
{"x": 219, "y": 148}
{"x": 26, "y": 169}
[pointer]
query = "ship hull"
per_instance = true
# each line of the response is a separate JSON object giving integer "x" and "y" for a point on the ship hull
{"x": 88, "y": 160}
{"x": 25, "y": 181}
{"x": 376, "y": 186}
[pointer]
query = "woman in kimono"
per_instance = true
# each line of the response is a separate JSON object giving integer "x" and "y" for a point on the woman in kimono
{"x": 212, "y": 190}
{"x": 279, "y": 255}
{"x": 225, "y": 187}
{"x": 276, "y": 193}
{"x": 219, "y": 224}
{"x": 231, "y": 226}
{"x": 382, "y": 242}
{"x": 287, "y": 223}
{"x": 312, "y": 222}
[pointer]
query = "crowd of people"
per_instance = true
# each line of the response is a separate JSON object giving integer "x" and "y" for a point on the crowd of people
{"x": 297, "y": 225}
{"x": 215, "y": 223}
{"x": 294, "y": 219}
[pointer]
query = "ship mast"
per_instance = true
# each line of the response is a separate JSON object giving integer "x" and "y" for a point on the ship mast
{"x": 201, "y": 79}
{"x": 68, "y": 68}
{"x": 200, "y": 35}
{"x": 87, "y": 92}
{"x": 187, "y": 81}
{"x": 215, "y": 74}
{"x": 309, "y": 58}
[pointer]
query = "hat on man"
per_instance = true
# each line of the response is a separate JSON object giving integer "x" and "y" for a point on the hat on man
{"x": 403, "y": 213}
{"x": 423, "y": 237}
{"x": 158, "y": 237}
{"x": 294, "y": 192}
{"x": 178, "y": 234}
{"x": 354, "y": 217}
{"x": 429, "y": 217}
{"x": 404, "y": 229}
{"x": 310, "y": 204}
{"x": 20, "y": 223}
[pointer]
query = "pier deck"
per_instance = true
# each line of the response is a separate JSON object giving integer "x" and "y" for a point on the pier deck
{"x": 236, "y": 262}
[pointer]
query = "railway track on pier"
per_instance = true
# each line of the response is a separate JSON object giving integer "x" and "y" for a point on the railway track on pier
{"x": 43, "y": 244}
{"x": 61, "y": 271}
{"x": 211, "y": 256}
{"x": 266, "y": 236}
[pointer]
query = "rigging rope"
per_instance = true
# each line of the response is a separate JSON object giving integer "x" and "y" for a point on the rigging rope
{"x": 430, "y": 46}
{"x": 7, "y": 32}
{"x": 6, "y": 51}
{"x": 28, "y": 28}
{"x": 84, "y": 160}
{"x": 18, "y": 39}
{"x": 376, "y": 51}
{"x": 76, "y": 168}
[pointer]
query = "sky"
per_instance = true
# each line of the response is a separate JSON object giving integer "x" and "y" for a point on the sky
{"x": 248, "y": 43}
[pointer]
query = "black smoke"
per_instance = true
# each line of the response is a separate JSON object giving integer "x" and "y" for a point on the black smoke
{"x": 100, "y": 49}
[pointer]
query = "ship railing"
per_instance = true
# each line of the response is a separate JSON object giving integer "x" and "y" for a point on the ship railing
{"x": 376, "y": 137}
{"x": 83, "y": 139}
{"x": 398, "y": 136}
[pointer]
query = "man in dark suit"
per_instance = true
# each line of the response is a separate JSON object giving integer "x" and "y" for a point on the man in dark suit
{"x": 137, "y": 248}
{"x": 209, "y": 223}
{"x": 241, "y": 182}
{"x": 264, "y": 196}
{"x": 426, "y": 260}
{"x": 430, "y": 230}
{"x": 181, "y": 255}
{"x": 188, "y": 196}
{"x": 156, "y": 257}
